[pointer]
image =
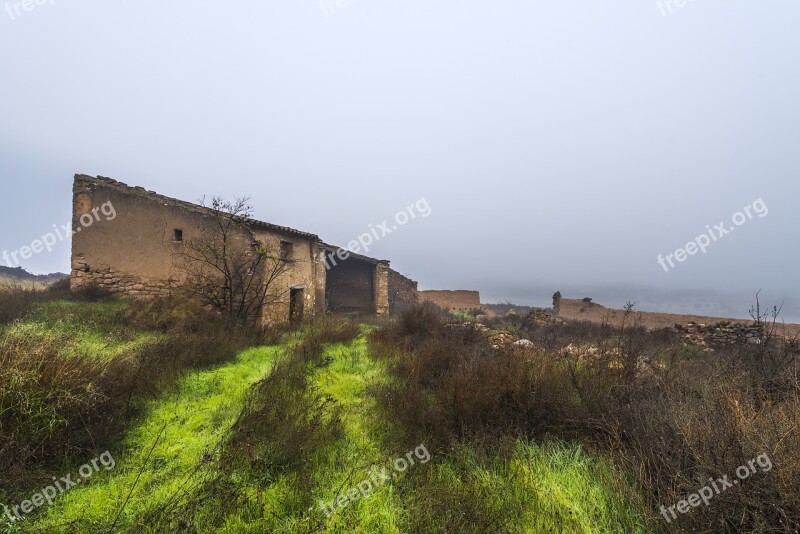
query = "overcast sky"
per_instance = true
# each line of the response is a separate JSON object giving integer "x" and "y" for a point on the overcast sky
{"x": 559, "y": 145}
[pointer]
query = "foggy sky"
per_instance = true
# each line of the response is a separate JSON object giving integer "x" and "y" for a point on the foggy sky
{"x": 559, "y": 145}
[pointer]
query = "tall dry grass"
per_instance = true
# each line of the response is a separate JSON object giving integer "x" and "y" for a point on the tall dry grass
{"x": 670, "y": 415}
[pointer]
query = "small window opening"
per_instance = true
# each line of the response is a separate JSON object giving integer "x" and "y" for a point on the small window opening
{"x": 177, "y": 235}
{"x": 287, "y": 249}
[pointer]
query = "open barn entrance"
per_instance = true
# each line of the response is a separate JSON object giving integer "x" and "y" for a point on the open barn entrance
{"x": 350, "y": 286}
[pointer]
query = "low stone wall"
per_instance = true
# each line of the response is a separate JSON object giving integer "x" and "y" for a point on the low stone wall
{"x": 106, "y": 279}
{"x": 722, "y": 333}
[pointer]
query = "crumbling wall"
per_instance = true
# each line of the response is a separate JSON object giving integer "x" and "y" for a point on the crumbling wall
{"x": 137, "y": 253}
{"x": 132, "y": 253}
{"x": 321, "y": 280}
{"x": 382, "y": 288}
{"x": 402, "y": 292}
{"x": 459, "y": 300}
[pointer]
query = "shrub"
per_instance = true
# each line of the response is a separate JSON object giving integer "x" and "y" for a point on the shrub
{"x": 671, "y": 415}
{"x": 45, "y": 397}
{"x": 453, "y": 385}
{"x": 332, "y": 329}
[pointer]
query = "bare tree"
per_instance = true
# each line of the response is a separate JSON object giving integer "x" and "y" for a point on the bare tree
{"x": 228, "y": 269}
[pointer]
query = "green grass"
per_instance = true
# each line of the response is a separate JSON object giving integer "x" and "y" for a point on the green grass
{"x": 554, "y": 487}
{"x": 551, "y": 487}
{"x": 85, "y": 329}
{"x": 194, "y": 419}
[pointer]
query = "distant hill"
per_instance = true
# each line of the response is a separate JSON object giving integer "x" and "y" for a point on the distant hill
{"x": 18, "y": 274}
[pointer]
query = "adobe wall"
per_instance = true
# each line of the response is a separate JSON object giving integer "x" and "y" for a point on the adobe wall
{"x": 402, "y": 292}
{"x": 135, "y": 253}
{"x": 460, "y": 300}
{"x": 301, "y": 273}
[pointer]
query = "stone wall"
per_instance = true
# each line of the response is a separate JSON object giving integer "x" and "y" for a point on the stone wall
{"x": 301, "y": 273}
{"x": 722, "y": 333}
{"x": 459, "y": 300}
{"x": 116, "y": 283}
{"x": 382, "y": 288}
{"x": 402, "y": 292}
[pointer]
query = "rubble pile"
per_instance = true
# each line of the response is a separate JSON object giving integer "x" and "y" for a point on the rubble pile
{"x": 543, "y": 317}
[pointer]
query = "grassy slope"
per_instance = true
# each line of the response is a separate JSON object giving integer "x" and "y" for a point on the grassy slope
{"x": 541, "y": 488}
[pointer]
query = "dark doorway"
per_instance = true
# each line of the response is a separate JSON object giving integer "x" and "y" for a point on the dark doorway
{"x": 350, "y": 287}
{"x": 296, "y": 306}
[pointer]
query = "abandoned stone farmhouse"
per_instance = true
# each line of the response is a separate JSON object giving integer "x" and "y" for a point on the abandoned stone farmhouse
{"x": 136, "y": 254}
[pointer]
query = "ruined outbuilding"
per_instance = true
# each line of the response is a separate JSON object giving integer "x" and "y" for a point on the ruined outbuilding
{"x": 136, "y": 254}
{"x": 453, "y": 301}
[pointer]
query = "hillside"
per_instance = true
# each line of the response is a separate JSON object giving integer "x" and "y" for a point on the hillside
{"x": 20, "y": 275}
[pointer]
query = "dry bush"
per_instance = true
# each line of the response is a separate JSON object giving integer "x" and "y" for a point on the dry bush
{"x": 332, "y": 329}
{"x": 672, "y": 415}
{"x": 16, "y": 299}
{"x": 453, "y": 385}
{"x": 91, "y": 293}
{"x": 701, "y": 418}
{"x": 44, "y": 400}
